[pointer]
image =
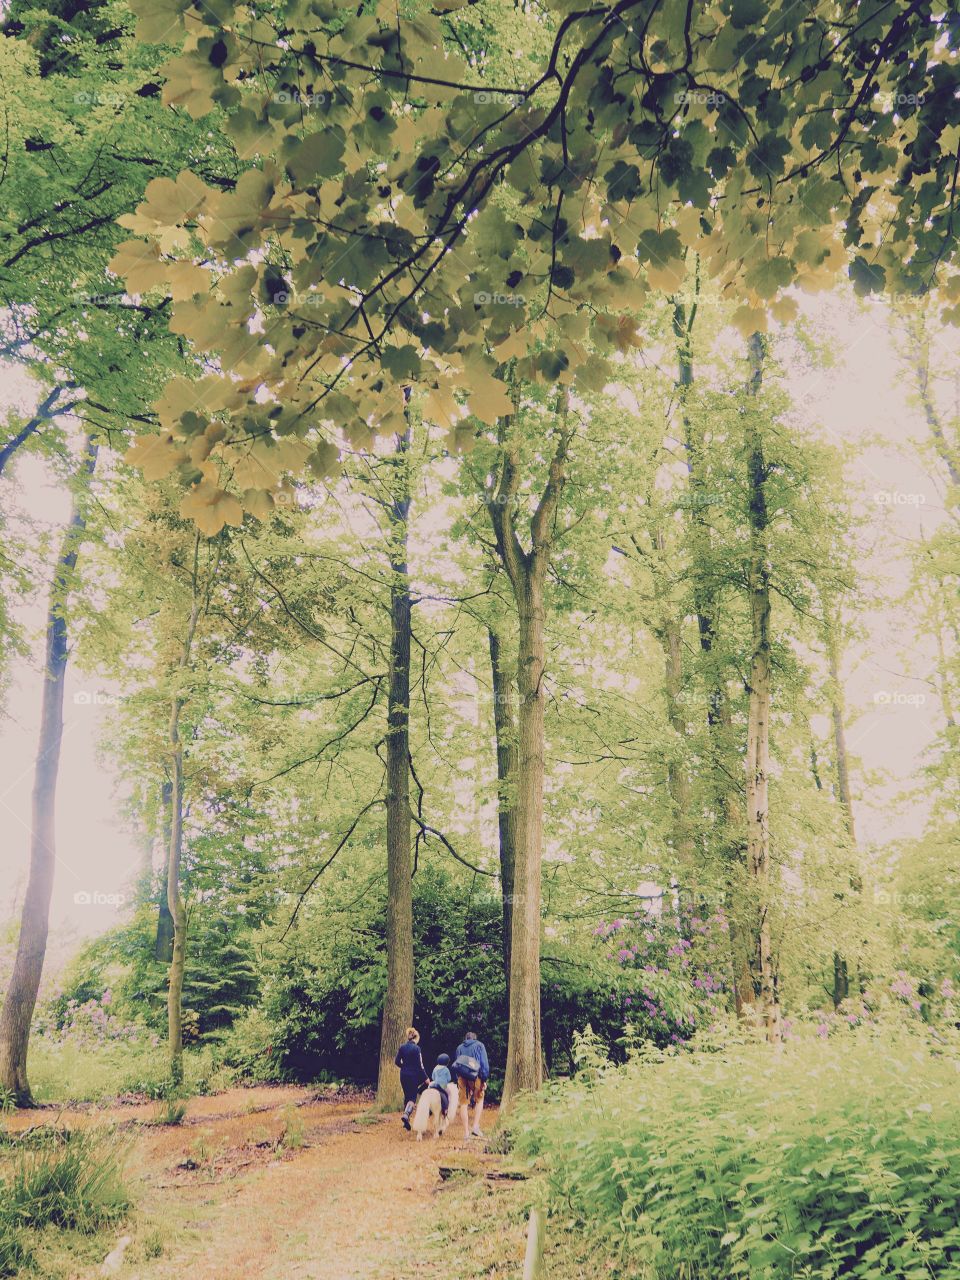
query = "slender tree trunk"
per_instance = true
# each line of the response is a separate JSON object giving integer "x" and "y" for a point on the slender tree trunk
{"x": 505, "y": 728}
{"x": 525, "y": 1050}
{"x": 398, "y": 1000}
{"x": 918, "y": 345}
{"x": 24, "y": 985}
{"x": 841, "y": 975}
{"x": 758, "y": 720}
{"x": 724, "y": 798}
{"x": 175, "y": 902}
{"x": 527, "y": 571}
{"x": 946, "y": 701}
{"x": 163, "y": 947}
{"x": 678, "y": 779}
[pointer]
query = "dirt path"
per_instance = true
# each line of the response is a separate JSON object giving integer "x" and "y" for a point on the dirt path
{"x": 272, "y": 1185}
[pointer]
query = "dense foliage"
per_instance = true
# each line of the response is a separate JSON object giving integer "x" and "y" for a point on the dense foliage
{"x": 824, "y": 1161}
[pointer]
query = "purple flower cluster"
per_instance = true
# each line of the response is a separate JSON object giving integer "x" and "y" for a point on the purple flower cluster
{"x": 91, "y": 1023}
{"x": 668, "y": 982}
{"x": 905, "y": 987}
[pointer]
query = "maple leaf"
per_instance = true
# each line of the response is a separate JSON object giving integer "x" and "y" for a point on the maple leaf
{"x": 210, "y": 508}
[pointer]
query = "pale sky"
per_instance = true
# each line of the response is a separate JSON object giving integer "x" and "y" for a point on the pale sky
{"x": 894, "y": 713}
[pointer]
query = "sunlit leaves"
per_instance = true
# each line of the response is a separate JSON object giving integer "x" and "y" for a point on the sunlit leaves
{"x": 156, "y": 456}
{"x": 488, "y": 398}
{"x": 210, "y": 508}
{"x": 138, "y": 263}
{"x": 404, "y": 227}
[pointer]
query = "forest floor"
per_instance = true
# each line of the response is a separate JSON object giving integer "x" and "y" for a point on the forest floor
{"x": 283, "y": 1183}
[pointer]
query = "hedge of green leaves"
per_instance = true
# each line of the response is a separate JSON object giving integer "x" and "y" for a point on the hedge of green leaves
{"x": 818, "y": 1161}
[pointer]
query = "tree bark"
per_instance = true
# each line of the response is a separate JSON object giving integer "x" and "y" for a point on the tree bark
{"x": 163, "y": 946}
{"x": 757, "y": 762}
{"x": 527, "y": 571}
{"x": 21, "y": 998}
{"x": 399, "y": 996}
{"x": 841, "y": 975}
{"x": 505, "y": 729}
{"x": 524, "y": 1047}
{"x": 678, "y": 778}
{"x": 724, "y": 798}
{"x": 919, "y": 357}
{"x": 175, "y": 902}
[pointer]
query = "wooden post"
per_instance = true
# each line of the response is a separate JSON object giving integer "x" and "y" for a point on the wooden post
{"x": 533, "y": 1262}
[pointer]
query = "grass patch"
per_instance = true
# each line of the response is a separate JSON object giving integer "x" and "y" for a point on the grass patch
{"x": 71, "y": 1072}
{"x": 170, "y": 1111}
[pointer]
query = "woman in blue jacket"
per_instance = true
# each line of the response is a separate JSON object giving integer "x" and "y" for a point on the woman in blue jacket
{"x": 413, "y": 1074}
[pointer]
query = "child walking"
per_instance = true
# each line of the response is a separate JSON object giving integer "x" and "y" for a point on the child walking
{"x": 440, "y": 1077}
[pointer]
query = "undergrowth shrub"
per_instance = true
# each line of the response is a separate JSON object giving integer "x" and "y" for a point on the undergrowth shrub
{"x": 823, "y": 1160}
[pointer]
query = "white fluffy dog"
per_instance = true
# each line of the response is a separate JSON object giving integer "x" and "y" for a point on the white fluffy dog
{"x": 428, "y": 1108}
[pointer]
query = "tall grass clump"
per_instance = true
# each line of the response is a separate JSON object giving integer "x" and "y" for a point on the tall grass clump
{"x": 820, "y": 1160}
{"x": 14, "y": 1250}
{"x": 74, "y": 1183}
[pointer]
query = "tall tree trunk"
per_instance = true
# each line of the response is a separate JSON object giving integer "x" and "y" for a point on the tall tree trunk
{"x": 918, "y": 349}
{"x": 724, "y": 797}
{"x": 524, "y": 1048}
{"x": 757, "y": 763}
{"x": 175, "y": 902}
{"x": 24, "y": 985}
{"x": 841, "y": 975}
{"x": 398, "y": 1000}
{"x": 527, "y": 571}
{"x": 505, "y": 728}
{"x": 678, "y": 778}
{"x": 163, "y": 946}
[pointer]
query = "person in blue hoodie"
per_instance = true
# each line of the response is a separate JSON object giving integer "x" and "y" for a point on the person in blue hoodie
{"x": 471, "y": 1067}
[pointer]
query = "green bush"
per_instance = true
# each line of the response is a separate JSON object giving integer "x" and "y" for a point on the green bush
{"x": 246, "y": 1048}
{"x": 323, "y": 1000}
{"x": 220, "y": 978}
{"x": 323, "y": 997}
{"x": 823, "y": 1160}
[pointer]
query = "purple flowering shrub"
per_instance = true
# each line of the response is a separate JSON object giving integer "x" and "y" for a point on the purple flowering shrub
{"x": 900, "y": 997}
{"x": 669, "y": 971}
{"x": 90, "y": 1023}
